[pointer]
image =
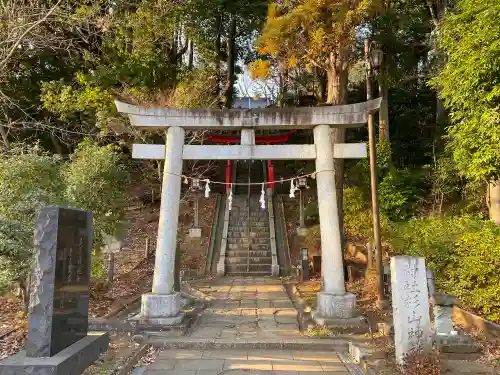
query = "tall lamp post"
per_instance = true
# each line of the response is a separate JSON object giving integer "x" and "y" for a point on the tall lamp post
{"x": 302, "y": 230}
{"x": 373, "y": 58}
{"x": 195, "y": 231}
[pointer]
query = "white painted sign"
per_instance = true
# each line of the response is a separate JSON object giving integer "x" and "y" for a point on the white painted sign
{"x": 410, "y": 303}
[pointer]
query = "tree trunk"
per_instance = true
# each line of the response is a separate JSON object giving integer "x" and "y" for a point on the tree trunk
{"x": 231, "y": 62}
{"x": 337, "y": 76}
{"x": 191, "y": 55}
{"x": 5, "y": 137}
{"x": 323, "y": 84}
{"x": 24, "y": 289}
{"x": 218, "y": 51}
{"x": 383, "y": 115}
{"x": 494, "y": 201}
{"x": 56, "y": 143}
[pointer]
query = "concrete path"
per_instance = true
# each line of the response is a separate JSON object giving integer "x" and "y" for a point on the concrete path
{"x": 258, "y": 313}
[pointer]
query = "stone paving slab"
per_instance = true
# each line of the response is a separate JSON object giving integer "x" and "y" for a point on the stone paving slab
{"x": 250, "y": 328}
{"x": 212, "y": 362}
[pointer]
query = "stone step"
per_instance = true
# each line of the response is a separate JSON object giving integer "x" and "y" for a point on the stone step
{"x": 239, "y": 247}
{"x": 244, "y": 253}
{"x": 253, "y": 274}
{"x": 296, "y": 343}
{"x": 253, "y": 260}
{"x": 245, "y": 241}
{"x": 242, "y": 228}
{"x": 243, "y": 267}
{"x": 253, "y": 224}
{"x": 244, "y": 235}
{"x": 247, "y": 247}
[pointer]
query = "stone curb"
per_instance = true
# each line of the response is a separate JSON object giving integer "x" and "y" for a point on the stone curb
{"x": 360, "y": 356}
{"x": 473, "y": 320}
{"x": 319, "y": 345}
{"x": 131, "y": 362}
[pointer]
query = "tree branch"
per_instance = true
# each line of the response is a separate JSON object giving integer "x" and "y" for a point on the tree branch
{"x": 5, "y": 61}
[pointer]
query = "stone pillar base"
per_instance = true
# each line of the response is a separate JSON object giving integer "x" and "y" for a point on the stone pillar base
{"x": 161, "y": 308}
{"x": 221, "y": 269}
{"x": 275, "y": 270}
{"x": 338, "y": 306}
{"x": 195, "y": 233}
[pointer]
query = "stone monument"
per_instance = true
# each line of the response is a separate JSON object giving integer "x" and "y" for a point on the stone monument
{"x": 58, "y": 340}
{"x": 410, "y": 301}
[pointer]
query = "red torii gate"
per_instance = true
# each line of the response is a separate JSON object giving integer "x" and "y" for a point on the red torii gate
{"x": 259, "y": 139}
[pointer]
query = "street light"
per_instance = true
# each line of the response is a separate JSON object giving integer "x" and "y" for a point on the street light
{"x": 373, "y": 58}
{"x": 377, "y": 57}
{"x": 301, "y": 230}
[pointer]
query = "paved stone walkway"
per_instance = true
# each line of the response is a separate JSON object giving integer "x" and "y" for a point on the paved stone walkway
{"x": 247, "y": 308}
{"x": 252, "y": 311}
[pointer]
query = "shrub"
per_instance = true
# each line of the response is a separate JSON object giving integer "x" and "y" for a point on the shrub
{"x": 462, "y": 251}
{"x": 31, "y": 179}
{"x": 475, "y": 275}
{"x": 399, "y": 193}
{"x": 94, "y": 180}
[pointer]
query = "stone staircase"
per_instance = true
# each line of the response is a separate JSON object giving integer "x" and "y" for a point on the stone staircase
{"x": 248, "y": 250}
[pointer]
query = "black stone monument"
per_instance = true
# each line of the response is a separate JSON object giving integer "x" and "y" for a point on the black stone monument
{"x": 58, "y": 312}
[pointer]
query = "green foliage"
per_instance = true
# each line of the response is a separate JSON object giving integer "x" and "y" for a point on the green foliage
{"x": 31, "y": 179}
{"x": 195, "y": 89}
{"x": 357, "y": 214}
{"x": 94, "y": 182}
{"x": 16, "y": 249}
{"x": 474, "y": 277}
{"x": 470, "y": 86}
{"x": 399, "y": 193}
{"x": 462, "y": 251}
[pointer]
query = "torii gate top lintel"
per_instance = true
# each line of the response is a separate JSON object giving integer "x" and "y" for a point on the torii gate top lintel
{"x": 351, "y": 115}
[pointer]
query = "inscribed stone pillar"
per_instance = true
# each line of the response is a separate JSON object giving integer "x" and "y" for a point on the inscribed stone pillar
{"x": 163, "y": 302}
{"x": 410, "y": 303}
{"x": 333, "y": 301}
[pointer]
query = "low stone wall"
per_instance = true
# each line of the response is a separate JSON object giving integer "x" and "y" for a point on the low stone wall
{"x": 472, "y": 322}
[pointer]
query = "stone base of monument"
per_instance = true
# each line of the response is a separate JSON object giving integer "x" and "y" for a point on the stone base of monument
{"x": 457, "y": 347}
{"x": 339, "y": 312}
{"x": 161, "y": 309}
{"x": 338, "y": 306}
{"x": 70, "y": 361}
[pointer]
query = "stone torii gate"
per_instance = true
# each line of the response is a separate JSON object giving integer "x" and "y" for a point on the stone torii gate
{"x": 162, "y": 305}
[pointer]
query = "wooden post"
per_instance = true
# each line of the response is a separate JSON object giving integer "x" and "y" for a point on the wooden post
{"x": 350, "y": 273}
{"x": 146, "y": 249}
{"x": 111, "y": 266}
{"x": 369, "y": 254}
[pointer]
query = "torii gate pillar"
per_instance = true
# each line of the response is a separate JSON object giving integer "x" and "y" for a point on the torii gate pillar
{"x": 163, "y": 304}
{"x": 333, "y": 301}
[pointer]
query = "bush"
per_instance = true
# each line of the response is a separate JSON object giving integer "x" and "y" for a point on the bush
{"x": 464, "y": 254}
{"x": 399, "y": 193}
{"x": 31, "y": 179}
{"x": 94, "y": 180}
{"x": 475, "y": 275}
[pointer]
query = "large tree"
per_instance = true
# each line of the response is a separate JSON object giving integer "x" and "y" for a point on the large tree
{"x": 318, "y": 34}
{"x": 470, "y": 86}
